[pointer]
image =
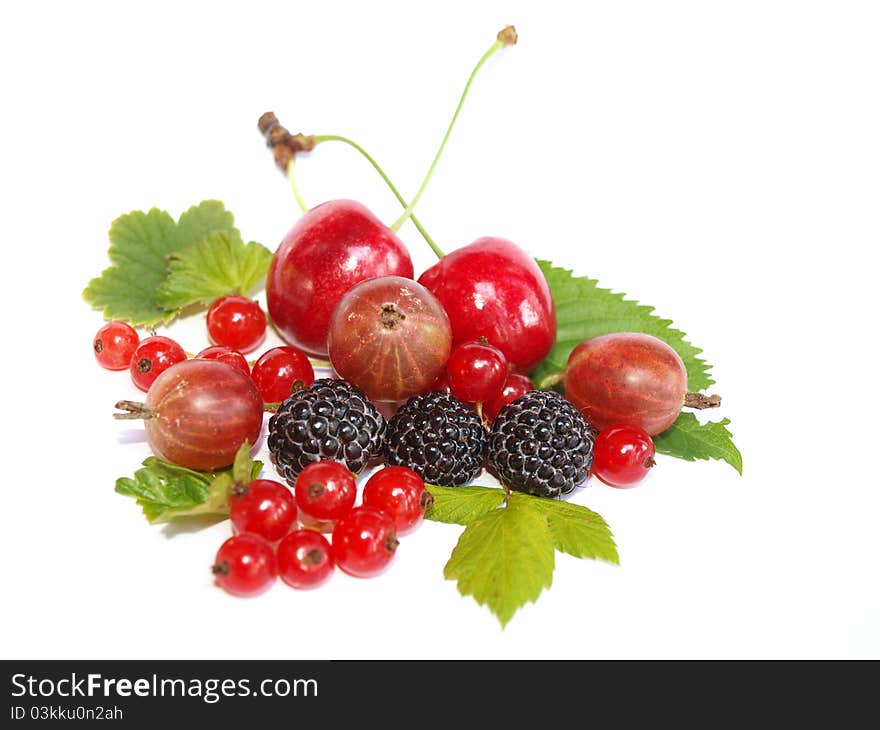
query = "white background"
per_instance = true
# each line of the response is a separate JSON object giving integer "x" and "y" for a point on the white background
{"x": 720, "y": 161}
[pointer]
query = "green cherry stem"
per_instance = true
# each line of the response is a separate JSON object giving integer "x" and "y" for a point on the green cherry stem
{"x": 318, "y": 139}
{"x": 369, "y": 158}
{"x": 548, "y": 381}
{"x": 291, "y": 177}
{"x": 506, "y": 37}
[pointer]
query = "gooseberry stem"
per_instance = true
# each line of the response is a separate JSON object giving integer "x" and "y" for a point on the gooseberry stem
{"x": 133, "y": 410}
{"x": 506, "y": 37}
{"x": 700, "y": 402}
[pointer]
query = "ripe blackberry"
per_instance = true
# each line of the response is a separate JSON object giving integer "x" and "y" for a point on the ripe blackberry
{"x": 541, "y": 444}
{"x": 438, "y": 437}
{"x": 330, "y": 420}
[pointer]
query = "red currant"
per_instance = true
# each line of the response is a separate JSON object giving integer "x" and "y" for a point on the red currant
{"x": 515, "y": 386}
{"x": 263, "y": 507}
{"x": 400, "y": 493}
{"x": 280, "y": 371}
{"x": 305, "y": 559}
{"x": 476, "y": 371}
{"x": 236, "y": 322}
{"x": 227, "y": 355}
{"x": 325, "y": 491}
{"x": 623, "y": 455}
{"x": 152, "y": 357}
{"x": 364, "y": 542}
{"x": 245, "y": 565}
{"x": 114, "y": 345}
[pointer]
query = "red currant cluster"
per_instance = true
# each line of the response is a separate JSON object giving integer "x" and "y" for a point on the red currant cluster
{"x": 478, "y": 373}
{"x": 236, "y": 326}
{"x": 363, "y": 541}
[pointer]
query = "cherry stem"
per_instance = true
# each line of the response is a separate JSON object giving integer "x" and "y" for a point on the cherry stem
{"x": 369, "y": 158}
{"x": 506, "y": 37}
{"x": 133, "y": 410}
{"x": 700, "y": 401}
{"x": 294, "y": 187}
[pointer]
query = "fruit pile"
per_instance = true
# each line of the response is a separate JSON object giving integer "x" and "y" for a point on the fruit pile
{"x": 432, "y": 380}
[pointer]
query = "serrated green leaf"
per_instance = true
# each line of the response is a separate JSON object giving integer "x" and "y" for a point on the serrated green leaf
{"x": 140, "y": 246}
{"x": 200, "y": 221}
{"x": 504, "y": 559}
{"x": 165, "y": 491}
{"x": 584, "y": 310}
{"x": 220, "y": 264}
{"x": 576, "y": 530}
{"x": 689, "y": 439}
{"x": 461, "y": 505}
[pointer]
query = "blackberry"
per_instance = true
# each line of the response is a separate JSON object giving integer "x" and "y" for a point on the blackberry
{"x": 438, "y": 437}
{"x": 541, "y": 444}
{"x": 332, "y": 420}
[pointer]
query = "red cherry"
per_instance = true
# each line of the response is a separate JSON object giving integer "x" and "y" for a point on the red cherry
{"x": 364, "y": 541}
{"x": 152, "y": 357}
{"x": 476, "y": 371}
{"x": 305, "y": 559}
{"x": 331, "y": 248}
{"x": 622, "y": 455}
{"x": 515, "y": 386}
{"x": 114, "y": 344}
{"x": 493, "y": 289}
{"x": 280, "y": 371}
{"x": 399, "y": 492}
{"x": 245, "y": 565}
{"x": 227, "y": 355}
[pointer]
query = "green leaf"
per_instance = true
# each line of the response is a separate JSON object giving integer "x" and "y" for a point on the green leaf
{"x": 689, "y": 439}
{"x": 584, "y": 310}
{"x": 504, "y": 559}
{"x": 577, "y": 530}
{"x": 140, "y": 247}
{"x": 220, "y": 264}
{"x": 165, "y": 491}
{"x": 462, "y": 505}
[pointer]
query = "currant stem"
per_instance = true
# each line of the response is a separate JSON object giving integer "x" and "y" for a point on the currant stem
{"x": 505, "y": 38}
{"x": 133, "y": 410}
{"x": 700, "y": 401}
